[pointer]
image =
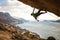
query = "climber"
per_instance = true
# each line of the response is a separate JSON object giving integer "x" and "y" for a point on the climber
{"x": 35, "y": 15}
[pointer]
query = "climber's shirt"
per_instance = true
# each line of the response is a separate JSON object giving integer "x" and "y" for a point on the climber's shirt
{"x": 34, "y": 15}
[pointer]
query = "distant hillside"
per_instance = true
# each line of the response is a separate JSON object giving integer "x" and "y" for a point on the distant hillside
{"x": 6, "y": 18}
{"x": 56, "y": 21}
{"x": 23, "y": 20}
{"x": 52, "y": 20}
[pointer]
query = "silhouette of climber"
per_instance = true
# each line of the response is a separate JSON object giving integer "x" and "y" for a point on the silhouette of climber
{"x": 35, "y": 15}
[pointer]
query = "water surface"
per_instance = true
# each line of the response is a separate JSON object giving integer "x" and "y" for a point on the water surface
{"x": 44, "y": 29}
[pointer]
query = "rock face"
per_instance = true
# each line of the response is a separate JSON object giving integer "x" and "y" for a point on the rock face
{"x": 9, "y": 32}
{"x": 51, "y": 5}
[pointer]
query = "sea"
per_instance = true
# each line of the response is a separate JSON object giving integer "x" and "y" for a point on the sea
{"x": 44, "y": 29}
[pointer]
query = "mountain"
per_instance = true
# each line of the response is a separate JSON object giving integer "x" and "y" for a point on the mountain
{"x": 23, "y": 20}
{"x": 5, "y": 17}
{"x": 56, "y": 21}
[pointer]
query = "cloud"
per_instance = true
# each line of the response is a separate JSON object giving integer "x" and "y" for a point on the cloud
{"x": 14, "y": 4}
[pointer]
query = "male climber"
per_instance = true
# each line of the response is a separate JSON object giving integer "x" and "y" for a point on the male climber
{"x": 35, "y": 15}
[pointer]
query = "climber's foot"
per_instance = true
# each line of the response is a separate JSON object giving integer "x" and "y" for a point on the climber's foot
{"x": 38, "y": 20}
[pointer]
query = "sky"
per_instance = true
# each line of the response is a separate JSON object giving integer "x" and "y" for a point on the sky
{"x": 3, "y": 1}
{"x": 20, "y": 10}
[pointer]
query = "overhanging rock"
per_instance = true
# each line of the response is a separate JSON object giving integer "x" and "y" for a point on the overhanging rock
{"x": 51, "y": 5}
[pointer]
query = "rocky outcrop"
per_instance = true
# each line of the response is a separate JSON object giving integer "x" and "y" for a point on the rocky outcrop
{"x": 9, "y": 32}
{"x": 51, "y": 5}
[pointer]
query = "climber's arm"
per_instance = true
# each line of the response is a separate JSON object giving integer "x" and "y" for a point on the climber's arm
{"x": 42, "y": 9}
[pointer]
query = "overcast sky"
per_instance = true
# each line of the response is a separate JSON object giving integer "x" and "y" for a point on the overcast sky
{"x": 20, "y": 10}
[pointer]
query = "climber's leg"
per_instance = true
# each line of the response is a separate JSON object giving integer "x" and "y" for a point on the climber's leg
{"x": 36, "y": 19}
